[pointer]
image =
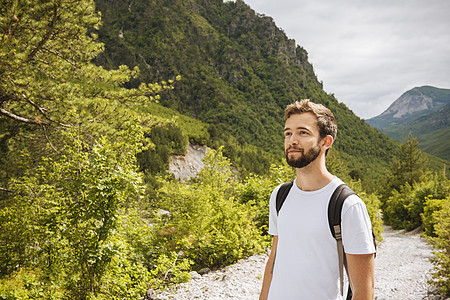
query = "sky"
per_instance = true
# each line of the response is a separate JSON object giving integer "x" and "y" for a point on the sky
{"x": 368, "y": 52}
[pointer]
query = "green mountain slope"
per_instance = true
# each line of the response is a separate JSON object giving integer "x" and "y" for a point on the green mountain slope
{"x": 424, "y": 112}
{"x": 239, "y": 71}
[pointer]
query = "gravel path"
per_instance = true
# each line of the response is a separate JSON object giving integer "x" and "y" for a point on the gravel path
{"x": 402, "y": 269}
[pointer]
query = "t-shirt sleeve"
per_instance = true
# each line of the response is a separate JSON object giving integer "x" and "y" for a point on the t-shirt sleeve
{"x": 273, "y": 216}
{"x": 356, "y": 227}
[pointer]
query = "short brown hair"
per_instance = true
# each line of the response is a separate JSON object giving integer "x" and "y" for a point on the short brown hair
{"x": 325, "y": 118}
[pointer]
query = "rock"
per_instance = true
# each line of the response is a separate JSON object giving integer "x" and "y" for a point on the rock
{"x": 195, "y": 276}
{"x": 150, "y": 295}
{"x": 434, "y": 294}
{"x": 186, "y": 166}
{"x": 204, "y": 271}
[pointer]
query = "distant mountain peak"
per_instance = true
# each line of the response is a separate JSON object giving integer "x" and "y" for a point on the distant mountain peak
{"x": 418, "y": 99}
{"x": 412, "y": 104}
{"x": 423, "y": 112}
{"x": 409, "y": 103}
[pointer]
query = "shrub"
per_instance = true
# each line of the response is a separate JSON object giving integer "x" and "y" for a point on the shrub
{"x": 30, "y": 284}
{"x": 429, "y": 220}
{"x": 204, "y": 219}
{"x": 63, "y": 214}
{"x": 255, "y": 191}
{"x": 441, "y": 243}
{"x": 404, "y": 209}
{"x": 167, "y": 139}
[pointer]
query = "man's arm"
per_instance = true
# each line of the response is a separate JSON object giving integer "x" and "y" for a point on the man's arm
{"x": 269, "y": 270}
{"x": 361, "y": 272}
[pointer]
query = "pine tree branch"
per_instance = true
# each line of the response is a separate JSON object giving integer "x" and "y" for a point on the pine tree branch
{"x": 41, "y": 110}
{"x": 47, "y": 35}
{"x": 5, "y": 190}
{"x": 48, "y": 139}
{"x": 20, "y": 119}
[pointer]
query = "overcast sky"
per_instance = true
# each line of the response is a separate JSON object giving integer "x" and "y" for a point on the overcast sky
{"x": 368, "y": 53}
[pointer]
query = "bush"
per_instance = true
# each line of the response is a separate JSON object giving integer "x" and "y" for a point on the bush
{"x": 441, "y": 243}
{"x": 157, "y": 266}
{"x": 64, "y": 213}
{"x": 204, "y": 220}
{"x": 429, "y": 220}
{"x": 255, "y": 191}
{"x": 404, "y": 209}
{"x": 168, "y": 139}
{"x": 395, "y": 212}
{"x": 30, "y": 284}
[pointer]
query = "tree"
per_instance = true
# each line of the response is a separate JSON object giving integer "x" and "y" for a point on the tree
{"x": 68, "y": 139}
{"x": 45, "y": 61}
{"x": 407, "y": 168}
{"x": 48, "y": 82}
{"x": 64, "y": 214}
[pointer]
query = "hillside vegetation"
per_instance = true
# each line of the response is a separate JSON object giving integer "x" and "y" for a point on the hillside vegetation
{"x": 239, "y": 71}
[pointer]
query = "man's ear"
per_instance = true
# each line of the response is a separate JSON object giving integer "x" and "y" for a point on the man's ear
{"x": 327, "y": 141}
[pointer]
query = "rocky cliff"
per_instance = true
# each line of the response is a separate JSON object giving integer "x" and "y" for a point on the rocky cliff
{"x": 186, "y": 166}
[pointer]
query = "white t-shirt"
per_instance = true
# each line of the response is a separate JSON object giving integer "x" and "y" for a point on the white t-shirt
{"x": 306, "y": 263}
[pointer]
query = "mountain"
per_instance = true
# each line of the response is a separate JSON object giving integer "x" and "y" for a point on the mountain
{"x": 423, "y": 112}
{"x": 239, "y": 71}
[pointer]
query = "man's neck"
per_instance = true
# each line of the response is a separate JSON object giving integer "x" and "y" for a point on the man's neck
{"x": 313, "y": 177}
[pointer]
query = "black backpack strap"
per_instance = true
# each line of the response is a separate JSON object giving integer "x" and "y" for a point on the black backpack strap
{"x": 334, "y": 220}
{"x": 282, "y": 194}
{"x": 335, "y": 206}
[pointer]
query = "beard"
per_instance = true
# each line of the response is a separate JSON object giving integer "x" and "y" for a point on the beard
{"x": 305, "y": 158}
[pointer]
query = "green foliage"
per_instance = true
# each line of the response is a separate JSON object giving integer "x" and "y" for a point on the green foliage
{"x": 441, "y": 243}
{"x": 170, "y": 269}
{"x": 430, "y": 209}
{"x": 195, "y": 130}
{"x": 29, "y": 284}
{"x": 63, "y": 215}
{"x": 407, "y": 168}
{"x": 167, "y": 139}
{"x": 124, "y": 279}
{"x": 204, "y": 218}
{"x": 404, "y": 209}
{"x": 255, "y": 191}
{"x": 47, "y": 75}
{"x": 68, "y": 142}
{"x": 164, "y": 267}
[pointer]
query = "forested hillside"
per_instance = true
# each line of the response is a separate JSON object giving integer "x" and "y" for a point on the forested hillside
{"x": 238, "y": 72}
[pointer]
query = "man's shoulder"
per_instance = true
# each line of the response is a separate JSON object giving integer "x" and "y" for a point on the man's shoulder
{"x": 353, "y": 202}
{"x": 277, "y": 188}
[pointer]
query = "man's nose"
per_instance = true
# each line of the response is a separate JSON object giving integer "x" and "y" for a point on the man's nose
{"x": 292, "y": 140}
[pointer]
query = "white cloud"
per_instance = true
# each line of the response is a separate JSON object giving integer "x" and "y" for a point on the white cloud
{"x": 369, "y": 52}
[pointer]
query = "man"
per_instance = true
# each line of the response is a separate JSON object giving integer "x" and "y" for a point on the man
{"x": 303, "y": 263}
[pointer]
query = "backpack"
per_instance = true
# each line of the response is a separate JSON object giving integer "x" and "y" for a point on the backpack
{"x": 337, "y": 199}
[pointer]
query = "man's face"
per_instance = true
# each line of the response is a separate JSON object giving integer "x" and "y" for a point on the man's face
{"x": 302, "y": 142}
